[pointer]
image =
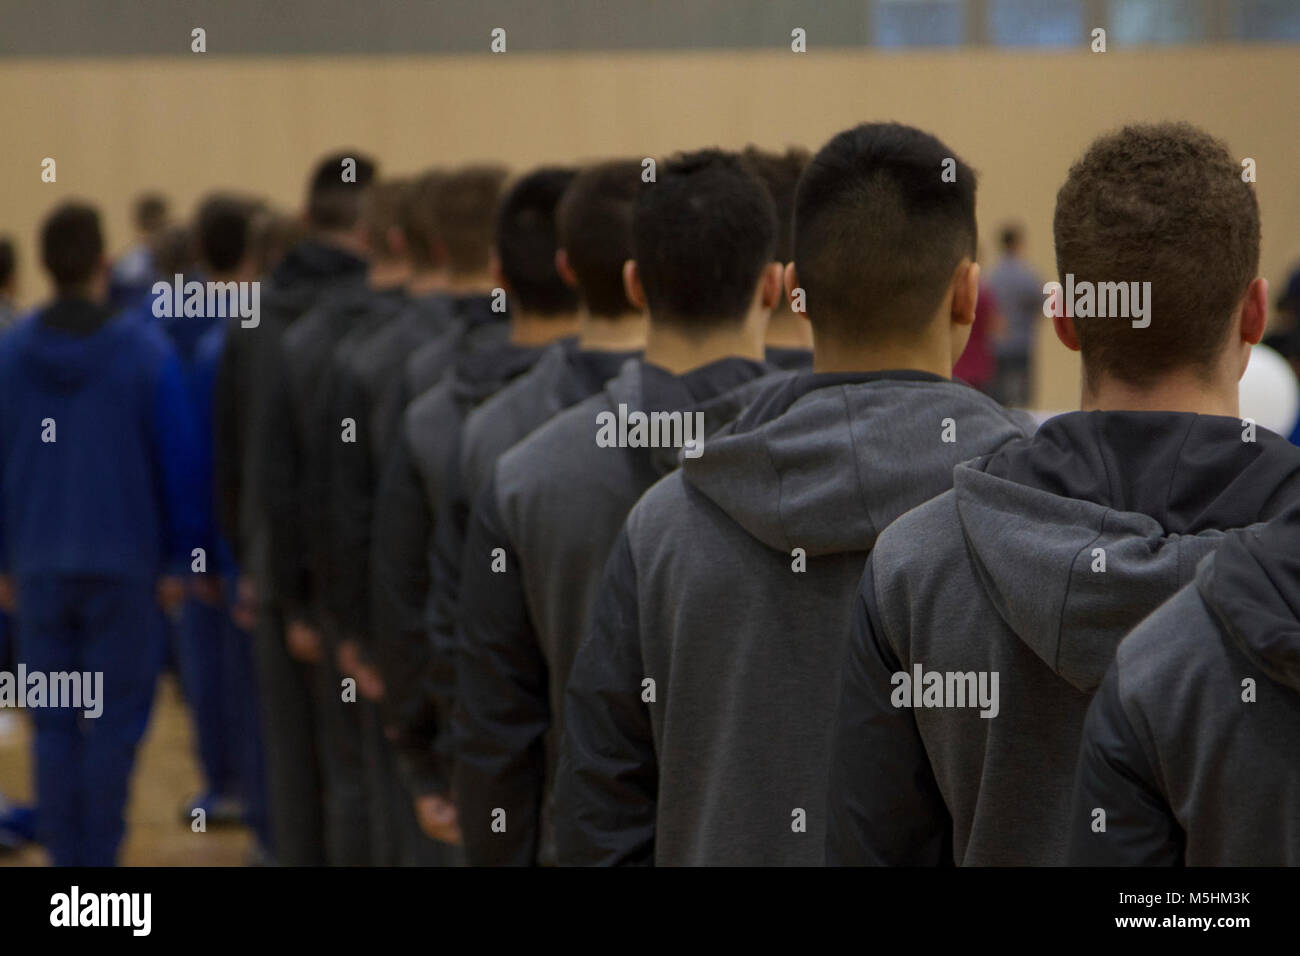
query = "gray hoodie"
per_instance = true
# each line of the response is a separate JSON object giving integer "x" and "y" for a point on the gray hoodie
{"x": 731, "y": 589}
{"x": 548, "y": 515}
{"x": 1191, "y": 748}
{"x": 988, "y": 616}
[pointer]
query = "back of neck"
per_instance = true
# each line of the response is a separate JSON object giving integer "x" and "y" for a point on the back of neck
{"x": 934, "y": 358}
{"x": 620, "y": 333}
{"x": 1177, "y": 393}
{"x": 674, "y": 350}
{"x": 530, "y": 329}
{"x": 476, "y": 283}
{"x": 786, "y": 330}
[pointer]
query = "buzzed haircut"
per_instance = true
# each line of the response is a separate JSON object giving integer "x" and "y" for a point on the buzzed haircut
{"x": 526, "y": 242}
{"x": 1010, "y": 237}
{"x": 223, "y": 224}
{"x": 702, "y": 234}
{"x": 8, "y": 261}
{"x": 332, "y": 203}
{"x": 780, "y": 173}
{"x": 1164, "y": 204}
{"x": 384, "y": 210}
{"x": 595, "y": 231}
{"x": 465, "y": 210}
{"x": 420, "y": 220}
{"x": 150, "y": 213}
{"x": 879, "y": 230}
{"x": 174, "y": 251}
{"x": 72, "y": 245}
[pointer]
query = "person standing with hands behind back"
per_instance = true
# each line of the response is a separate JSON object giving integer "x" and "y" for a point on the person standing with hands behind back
{"x": 99, "y": 515}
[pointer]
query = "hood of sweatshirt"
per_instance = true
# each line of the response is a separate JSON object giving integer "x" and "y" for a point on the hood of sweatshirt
{"x": 71, "y": 340}
{"x": 479, "y": 373}
{"x": 790, "y": 470}
{"x": 569, "y": 374}
{"x": 1252, "y": 587}
{"x": 1080, "y": 532}
{"x": 643, "y": 387}
{"x": 296, "y": 281}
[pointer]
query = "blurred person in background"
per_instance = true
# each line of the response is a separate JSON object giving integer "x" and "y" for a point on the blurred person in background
{"x": 1019, "y": 292}
{"x": 98, "y": 516}
{"x": 135, "y": 270}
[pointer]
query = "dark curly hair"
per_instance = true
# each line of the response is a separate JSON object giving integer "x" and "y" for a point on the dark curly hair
{"x": 1162, "y": 203}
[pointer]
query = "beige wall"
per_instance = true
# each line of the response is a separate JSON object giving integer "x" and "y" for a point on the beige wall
{"x": 186, "y": 125}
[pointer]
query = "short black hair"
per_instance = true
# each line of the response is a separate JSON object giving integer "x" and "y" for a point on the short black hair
{"x": 780, "y": 173}
{"x": 595, "y": 232}
{"x": 420, "y": 219}
{"x": 150, "y": 212}
{"x": 879, "y": 229}
{"x": 333, "y": 204}
{"x": 8, "y": 260}
{"x": 526, "y": 241}
{"x": 702, "y": 234}
{"x": 385, "y": 209}
{"x": 174, "y": 251}
{"x": 72, "y": 245}
{"x": 1163, "y": 203}
{"x": 223, "y": 223}
{"x": 1011, "y": 236}
{"x": 465, "y": 211}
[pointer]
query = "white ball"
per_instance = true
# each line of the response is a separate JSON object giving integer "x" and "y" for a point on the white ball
{"x": 1269, "y": 392}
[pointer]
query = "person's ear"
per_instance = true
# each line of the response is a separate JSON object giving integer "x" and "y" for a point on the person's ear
{"x": 1065, "y": 331}
{"x": 1254, "y": 311}
{"x": 791, "y": 276}
{"x": 396, "y": 241}
{"x": 565, "y": 269}
{"x": 494, "y": 267}
{"x": 965, "y": 293}
{"x": 632, "y": 285}
{"x": 769, "y": 285}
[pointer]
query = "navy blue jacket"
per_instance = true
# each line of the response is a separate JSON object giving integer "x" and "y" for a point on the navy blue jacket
{"x": 115, "y": 494}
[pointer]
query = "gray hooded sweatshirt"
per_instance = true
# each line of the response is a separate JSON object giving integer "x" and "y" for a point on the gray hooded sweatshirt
{"x": 1191, "y": 748}
{"x": 987, "y": 618}
{"x": 537, "y": 542}
{"x": 698, "y": 710}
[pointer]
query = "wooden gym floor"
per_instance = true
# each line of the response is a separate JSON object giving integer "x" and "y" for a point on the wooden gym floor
{"x": 166, "y": 773}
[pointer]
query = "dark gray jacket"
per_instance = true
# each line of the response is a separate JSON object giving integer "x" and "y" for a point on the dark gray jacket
{"x": 553, "y": 507}
{"x": 367, "y": 388}
{"x": 1029, "y": 572}
{"x": 1191, "y": 748}
{"x": 731, "y": 588}
{"x": 248, "y": 377}
{"x": 299, "y": 438}
{"x": 563, "y": 376}
{"x": 410, "y": 549}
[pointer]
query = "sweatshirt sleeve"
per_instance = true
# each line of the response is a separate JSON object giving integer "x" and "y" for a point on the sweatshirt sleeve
{"x": 399, "y": 598}
{"x": 228, "y": 442}
{"x": 607, "y": 785}
{"x": 351, "y": 505}
{"x": 1114, "y": 776}
{"x": 884, "y": 806}
{"x": 450, "y": 520}
{"x": 283, "y": 460}
{"x": 502, "y": 699}
{"x": 176, "y": 451}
